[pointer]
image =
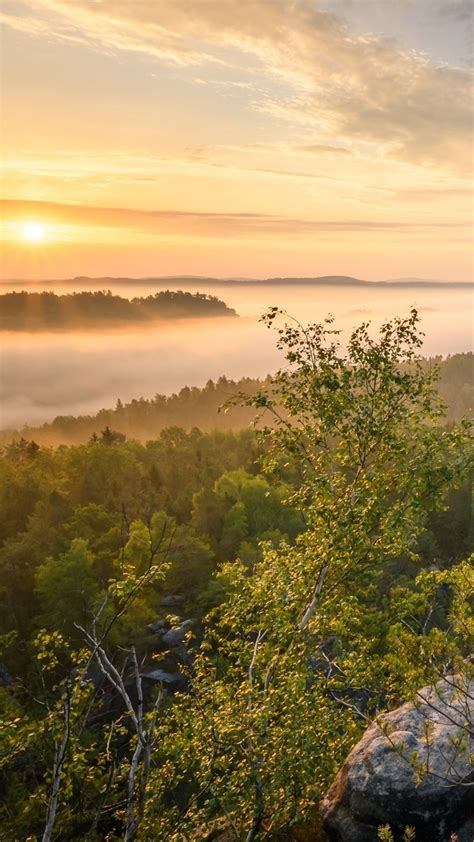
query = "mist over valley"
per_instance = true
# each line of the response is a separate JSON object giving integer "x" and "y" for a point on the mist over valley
{"x": 45, "y": 373}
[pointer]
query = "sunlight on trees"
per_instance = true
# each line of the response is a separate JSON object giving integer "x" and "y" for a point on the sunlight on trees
{"x": 311, "y": 633}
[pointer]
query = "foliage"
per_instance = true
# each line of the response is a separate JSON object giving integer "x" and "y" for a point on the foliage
{"x": 385, "y": 834}
{"x": 66, "y": 587}
{"x": 301, "y": 651}
{"x": 332, "y": 591}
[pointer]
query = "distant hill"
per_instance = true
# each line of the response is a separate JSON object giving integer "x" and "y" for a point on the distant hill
{"x": 144, "y": 418}
{"x": 84, "y": 310}
{"x": 426, "y": 282}
{"x": 192, "y": 280}
{"x": 347, "y": 280}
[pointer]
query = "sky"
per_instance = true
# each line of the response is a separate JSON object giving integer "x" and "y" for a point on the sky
{"x": 243, "y": 138}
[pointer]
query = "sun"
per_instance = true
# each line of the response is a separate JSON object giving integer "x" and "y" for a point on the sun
{"x": 34, "y": 232}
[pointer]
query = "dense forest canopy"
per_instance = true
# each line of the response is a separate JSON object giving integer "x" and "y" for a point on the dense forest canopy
{"x": 81, "y": 310}
{"x": 144, "y": 418}
{"x": 195, "y": 630}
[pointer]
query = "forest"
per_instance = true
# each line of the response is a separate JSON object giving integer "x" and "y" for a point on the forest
{"x": 144, "y": 418}
{"x": 33, "y": 311}
{"x": 202, "y": 610}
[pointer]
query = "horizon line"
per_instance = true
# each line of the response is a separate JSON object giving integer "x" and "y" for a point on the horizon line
{"x": 188, "y": 279}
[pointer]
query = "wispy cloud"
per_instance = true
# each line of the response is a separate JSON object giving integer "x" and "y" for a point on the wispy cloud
{"x": 461, "y": 9}
{"x": 318, "y": 148}
{"x": 432, "y": 194}
{"x": 362, "y": 88}
{"x": 187, "y": 223}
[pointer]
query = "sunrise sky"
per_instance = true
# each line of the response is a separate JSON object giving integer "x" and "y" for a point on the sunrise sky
{"x": 237, "y": 138}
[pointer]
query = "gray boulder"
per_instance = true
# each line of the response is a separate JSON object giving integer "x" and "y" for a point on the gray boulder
{"x": 6, "y": 679}
{"x": 175, "y": 636}
{"x": 171, "y": 680}
{"x": 157, "y": 627}
{"x": 379, "y": 782}
{"x": 172, "y": 600}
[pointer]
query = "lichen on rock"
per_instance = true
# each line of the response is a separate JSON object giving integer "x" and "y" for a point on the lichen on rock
{"x": 413, "y": 767}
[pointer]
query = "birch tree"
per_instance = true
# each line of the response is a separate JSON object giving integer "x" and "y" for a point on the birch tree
{"x": 299, "y": 655}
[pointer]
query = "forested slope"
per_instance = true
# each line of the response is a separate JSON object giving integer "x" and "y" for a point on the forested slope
{"x": 34, "y": 311}
{"x": 144, "y": 418}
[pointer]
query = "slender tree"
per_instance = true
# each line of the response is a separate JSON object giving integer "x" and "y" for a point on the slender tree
{"x": 299, "y": 654}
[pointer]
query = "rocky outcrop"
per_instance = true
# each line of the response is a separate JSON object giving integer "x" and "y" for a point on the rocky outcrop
{"x": 177, "y": 634}
{"x": 412, "y": 767}
{"x": 171, "y": 681}
{"x": 172, "y": 642}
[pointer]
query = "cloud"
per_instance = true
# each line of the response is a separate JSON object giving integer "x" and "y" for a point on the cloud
{"x": 358, "y": 88}
{"x": 226, "y": 83}
{"x": 318, "y": 148}
{"x": 460, "y": 9}
{"x": 194, "y": 224}
{"x": 146, "y": 167}
{"x": 429, "y": 194}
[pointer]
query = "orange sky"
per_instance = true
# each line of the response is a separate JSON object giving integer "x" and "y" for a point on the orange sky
{"x": 251, "y": 138}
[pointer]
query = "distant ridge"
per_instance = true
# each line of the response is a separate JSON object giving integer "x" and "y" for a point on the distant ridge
{"x": 192, "y": 280}
{"x": 424, "y": 282}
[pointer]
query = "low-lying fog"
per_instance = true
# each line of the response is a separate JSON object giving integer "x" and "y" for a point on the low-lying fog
{"x": 44, "y": 375}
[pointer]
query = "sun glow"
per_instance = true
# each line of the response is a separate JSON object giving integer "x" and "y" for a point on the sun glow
{"x": 34, "y": 232}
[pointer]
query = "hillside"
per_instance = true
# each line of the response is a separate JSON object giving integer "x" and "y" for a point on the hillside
{"x": 48, "y": 311}
{"x": 145, "y": 418}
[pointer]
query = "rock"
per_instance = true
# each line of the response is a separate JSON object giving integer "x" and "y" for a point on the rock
{"x": 175, "y": 636}
{"x": 171, "y": 600}
{"x": 5, "y": 678}
{"x": 172, "y": 680}
{"x": 158, "y": 626}
{"x": 377, "y": 785}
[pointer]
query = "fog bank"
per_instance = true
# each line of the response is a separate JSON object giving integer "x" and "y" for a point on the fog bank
{"x": 44, "y": 374}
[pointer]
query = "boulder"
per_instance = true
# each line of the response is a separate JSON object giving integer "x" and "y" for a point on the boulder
{"x": 158, "y": 626}
{"x": 172, "y": 601}
{"x": 379, "y": 782}
{"x": 175, "y": 636}
{"x": 171, "y": 680}
{"x": 6, "y": 679}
